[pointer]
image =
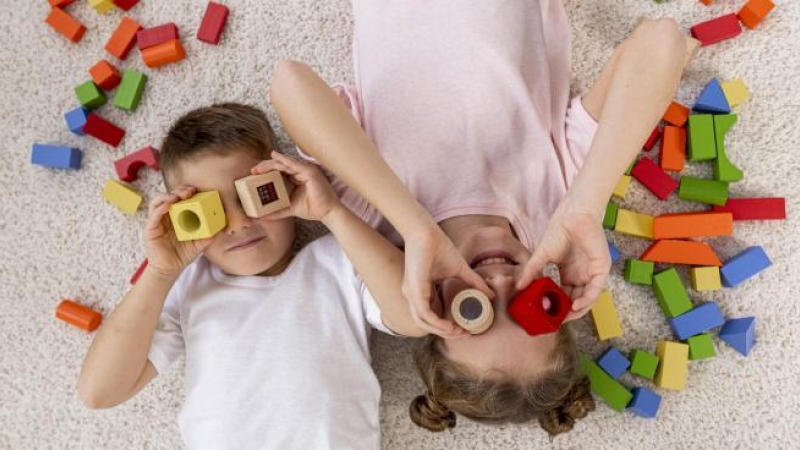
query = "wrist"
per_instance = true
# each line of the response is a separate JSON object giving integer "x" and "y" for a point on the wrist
{"x": 161, "y": 276}
{"x": 334, "y": 215}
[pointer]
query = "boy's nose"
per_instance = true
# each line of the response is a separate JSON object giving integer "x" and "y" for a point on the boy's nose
{"x": 237, "y": 220}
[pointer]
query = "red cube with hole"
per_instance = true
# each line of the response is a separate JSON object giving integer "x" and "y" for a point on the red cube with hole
{"x": 541, "y": 307}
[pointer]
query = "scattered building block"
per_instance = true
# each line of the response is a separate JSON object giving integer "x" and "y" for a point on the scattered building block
{"x": 630, "y": 166}
{"x": 698, "y": 320}
{"x": 65, "y": 25}
{"x": 198, "y": 217}
{"x": 150, "y": 37}
{"x": 703, "y": 191}
{"x": 717, "y": 30}
{"x": 472, "y": 310}
{"x": 654, "y": 179}
{"x": 125, "y": 5}
{"x": 213, "y": 23}
{"x": 527, "y": 308}
{"x": 124, "y": 37}
{"x": 674, "y": 366}
{"x": 754, "y": 12}
{"x": 634, "y": 224}
{"x": 128, "y": 167}
{"x": 76, "y": 119}
{"x": 639, "y": 272}
{"x": 78, "y": 315}
{"x": 652, "y": 140}
{"x": 121, "y": 196}
{"x": 102, "y": 6}
{"x": 130, "y": 90}
{"x": 712, "y": 99}
{"x": 139, "y": 271}
{"x": 705, "y": 278}
{"x": 613, "y": 362}
{"x": 701, "y": 347}
{"x": 262, "y": 194}
{"x": 744, "y": 266}
{"x": 673, "y": 149}
{"x": 610, "y": 390}
{"x": 103, "y": 130}
{"x": 610, "y": 218}
{"x": 767, "y": 208}
{"x": 89, "y": 96}
{"x": 56, "y": 156}
{"x": 677, "y": 114}
{"x": 613, "y": 252}
{"x": 645, "y": 403}
{"x": 671, "y": 294}
{"x": 621, "y": 189}
{"x": 701, "y": 143}
{"x": 60, "y": 3}
{"x": 105, "y": 75}
{"x": 681, "y": 252}
{"x": 724, "y": 170}
{"x": 687, "y": 225}
{"x": 604, "y": 314}
{"x": 163, "y": 54}
{"x": 643, "y": 364}
{"x": 740, "y": 334}
{"x": 735, "y": 92}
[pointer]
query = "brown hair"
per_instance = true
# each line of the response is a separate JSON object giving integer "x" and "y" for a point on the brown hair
{"x": 556, "y": 398}
{"x": 218, "y": 129}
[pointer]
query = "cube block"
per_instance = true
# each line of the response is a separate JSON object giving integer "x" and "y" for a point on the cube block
{"x": 89, "y": 96}
{"x": 645, "y": 403}
{"x": 76, "y": 120}
{"x": 639, "y": 272}
{"x": 701, "y": 347}
{"x": 705, "y": 278}
{"x": 613, "y": 362}
{"x": 199, "y": 217}
{"x": 644, "y": 364}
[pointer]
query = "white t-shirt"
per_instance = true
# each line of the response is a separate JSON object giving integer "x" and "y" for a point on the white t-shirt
{"x": 274, "y": 362}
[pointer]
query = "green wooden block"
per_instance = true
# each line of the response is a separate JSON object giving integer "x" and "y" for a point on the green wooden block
{"x": 607, "y": 388}
{"x": 643, "y": 364}
{"x": 639, "y": 272}
{"x": 630, "y": 168}
{"x": 90, "y": 96}
{"x": 703, "y": 191}
{"x": 610, "y": 219}
{"x": 671, "y": 293}
{"x": 701, "y": 347}
{"x": 724, "y": 170}
{"x": 130, "y": 90}
{"x": 702, "y": 144}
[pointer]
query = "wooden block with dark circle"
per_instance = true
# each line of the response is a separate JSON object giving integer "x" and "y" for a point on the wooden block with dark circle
{"x": 473, "y": 311}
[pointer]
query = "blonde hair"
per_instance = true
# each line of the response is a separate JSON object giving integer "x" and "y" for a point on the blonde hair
{"x": 557, "y": 397}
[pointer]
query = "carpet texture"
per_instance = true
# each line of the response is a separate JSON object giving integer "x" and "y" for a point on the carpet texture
{"x": 58, "y": 238}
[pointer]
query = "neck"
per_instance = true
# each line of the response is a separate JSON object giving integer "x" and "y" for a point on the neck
{"x": 280, "y": 266}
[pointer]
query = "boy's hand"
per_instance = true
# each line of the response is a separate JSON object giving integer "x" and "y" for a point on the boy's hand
{"x": 313, "y": 197}
{"x": 166, "y": 254}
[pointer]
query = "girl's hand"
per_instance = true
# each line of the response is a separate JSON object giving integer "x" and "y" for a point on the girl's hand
{"x": 167, "y": 256}
{"x": 313, "y": 197}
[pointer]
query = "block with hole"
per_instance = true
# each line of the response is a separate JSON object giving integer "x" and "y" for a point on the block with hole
{"x": 199, "y": 217}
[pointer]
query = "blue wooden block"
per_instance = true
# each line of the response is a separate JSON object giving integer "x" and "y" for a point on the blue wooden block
{"x": 76, "y": 119}
{"x": 743, "y": 266}
{"x": 614, "y": 362}
{"x": 56, "y": 156}
{"x": 740, "y": 334}
{"x": 697, "y": 320}
{"x": 645, "y": 402}
{"x": 612, "y": 249}
{"x": 712, "y": 100}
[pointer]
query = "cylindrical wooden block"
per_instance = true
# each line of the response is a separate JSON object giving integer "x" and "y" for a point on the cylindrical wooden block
{"x": 78, "y": 315}
{"x": 473, "y": 311}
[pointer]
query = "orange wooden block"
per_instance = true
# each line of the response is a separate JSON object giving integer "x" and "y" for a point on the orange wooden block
{"x": 123, "y": 39}
{"x": 682, "y": 252}
{"x": 162, "y": 54}
{"x": 707, "y": 2}
{"x": 687, "y": 225}
{"x": 66, "y": 25}
{"x": 105, "y": 75}
{"x": 754, "y": 12}
{"x": 78, "y": 315}
{"x": 676, "y": 114}
{"x": 673, "y": 148}
{"x": 60, "y": 3}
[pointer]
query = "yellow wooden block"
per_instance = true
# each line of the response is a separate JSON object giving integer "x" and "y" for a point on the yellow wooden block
{"x": 674, "y": 365}
{"x": 121, "y": 196}
{"x": 199, "y": 217}
{"x": 262, "y": 194}
{"x": 605, "y": 317}
{"x": 634, "y": 224}
{"x": 102, "y": 6}
{"x": 705, "y": 278}
{"x": 735, "y": 91}
{"x": 622, "y": 186}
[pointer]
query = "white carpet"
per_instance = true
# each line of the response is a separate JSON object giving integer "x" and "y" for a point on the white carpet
{"x": 59, "y": 239}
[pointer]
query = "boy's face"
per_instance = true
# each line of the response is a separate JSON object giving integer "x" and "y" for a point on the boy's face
{"x": 246, "y": 246}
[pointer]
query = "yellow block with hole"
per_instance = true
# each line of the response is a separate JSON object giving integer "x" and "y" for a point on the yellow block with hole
{"x": 621, "y": 189}
{"x": 735, "y": 92}
{"x": 199, "y": 217}
{"x": 102, "y": 6}
{"x": 634, "y": 224}
{"x": 606, "y": 320}
{"x": 705, "y": 278}
{"x": 674, "y": 365}
{"x": 121, "y": 196}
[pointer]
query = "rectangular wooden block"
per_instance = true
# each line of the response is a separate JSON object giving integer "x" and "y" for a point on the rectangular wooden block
{"x": 121, "y": 196}
{"x": 621, "y": 189}
{"x": 123, "y": 39}
{"x": 717, "y": 30}
{"x": 703, "y": 191}
{"x": 213, "y": 23}
{"x": 56, "y": 156}
{"x": 767, "y": 208}
{"x": 673, "y": 149}
{"x": 698, "y": 320}
{"x": 610, "y": 390}
{"x": 262, "y": 194}
{"x": 65, "y": 24}
{"x": 652, "y": 140}
{"x": 674, "y": 366}
{"x": 677, "y": 114}
{"x": 130, "y": 90}
{"x": 125, "y": 5}
{"x": 687, "y": 225}
{"x": 653, "y": 178}
{"x": 702, "y": 146}
{"x": 634, "y": 224}
{"x": 103, "y": 130}
{"x": 102, "y": 6}
{"x": 681, "y": 252}
{"x": 744, "y": 266}
{"x": 150, "y": 37}
{"x": 724, "y": 170}
{"x": 670, "y": 293}
{"x": 610, "y": 217}
{"x": 163, "y": 54}
{"x": 705, "y": 278}
{"x": 604, "y": 314}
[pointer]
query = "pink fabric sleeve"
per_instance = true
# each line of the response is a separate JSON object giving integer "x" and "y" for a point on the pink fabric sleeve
{"x": 580, "y": 130}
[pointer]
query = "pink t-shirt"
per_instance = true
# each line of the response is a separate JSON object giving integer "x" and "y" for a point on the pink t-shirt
{"x": 468, "y": 101}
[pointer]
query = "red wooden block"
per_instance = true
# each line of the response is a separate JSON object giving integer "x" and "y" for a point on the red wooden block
{"x": 150, "y": 37}
{"x": 123, "y": 39}
{"x": 61, "y": 3}
{"x": 541, "y": 307}
{"x": 66, "y": 25}
{"x": 213, "y": 23}
{"x": 104, "y": 130}
{"x": 105, "y": 75}
{"x": 654, "y": 178}
{"x": 128, "y": 167}
{"x": 125, "y": 5}
{"x": 652, "y": 140}
{"x": 139, "y": 271}
{"x": 716, "y": 30}
{"x": 767, "y": 208}
{"x": 681, "y": 252}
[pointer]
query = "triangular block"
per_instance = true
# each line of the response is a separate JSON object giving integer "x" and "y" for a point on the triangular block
{"x": 740, "y": 334}
{"x": 712, "y": 100}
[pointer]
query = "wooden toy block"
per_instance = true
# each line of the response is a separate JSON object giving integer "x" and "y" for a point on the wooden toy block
{"x": 105, "y": 75}
{"x": 130, "y": 90}
{"x": 630, "y": 168}
{"x": 698, "y": 320}
{"x": 767, "y": 208}
{"x": 60, "y": 3}
{"x": 703, "y": 191}
{"x": 150, "y": 37}
{"x": 645, "y": 403}
{"x": 736, "y": 92}
{"x": 705, "y": 278}
{"x": 707, "y": 2}
{"x": 701, "y": 143}
{"x": 121, "y": 196}
{"x": 673, "y": 149}
{"x": 654, "y": 179}
{"x": 639, "y": 272}
{"x": 89, "y": 96}
{"x": 163, "y": 54}
{"x": 139, "y": 271}
{"x": 712, "y": 99}
{"x": 472, "y": 311}
{"x": 65, "y": 25}
{"x": 124, "y": 37}
{"x": 701, "y": 347}
{"x": 613, "y": 362}
{"x": 744, "y": 266}
{"x": 681, "y": 252}
{"x": 613, "y": 252}
{"x": 643, "y": 364}
{"x": 724, "y": 170}
{"x": 687, "y": 225}
{"x": 610, "y": 390}
{"x": 78, "y": 315}
{"x": 670, "y": 293}
{"x": 102, "y": 6}
{"x": 541, "y": 307}
{"x": 717, "y": 30}
{"x": 634, "y": 224}
{"x": 56, "y": 156}
{"x": 754, "y": 12}
{"x": 262, "y": 194}
{"x": 674, "y": 366}
{"x": 604, "y": 314}
{"x": 740, "y": 334}
{"x": 125, "y": 5}
{"x": 213, "y": 23}
{"x": 76, "y": 119}
{"x": 652, "y": 140}
{"x": 610, "y": 218}
{"x": 621, "y": 189}
{"x": 677, "y": 114}
{"x": 103, "y": 130}
{"x": 199, "y": 217}
{"x": 127, "y": 167}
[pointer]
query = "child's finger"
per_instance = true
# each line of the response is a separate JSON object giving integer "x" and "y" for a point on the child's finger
{"x": 533, "y": 268}
{"x": 590, "y": 292}
{"x": 264, "y": 167}
{"x": 474, "y": 280}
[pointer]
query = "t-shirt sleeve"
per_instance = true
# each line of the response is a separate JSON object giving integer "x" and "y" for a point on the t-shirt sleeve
{"x": 580, "y": 130}
{"x": 168, "y": 342}
{"x": 371, "y": 310}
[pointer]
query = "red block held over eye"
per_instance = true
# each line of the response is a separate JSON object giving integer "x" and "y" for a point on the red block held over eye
{"x": 541, "y": 307}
